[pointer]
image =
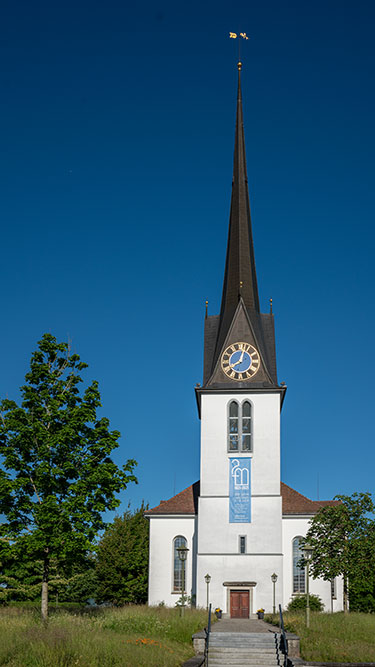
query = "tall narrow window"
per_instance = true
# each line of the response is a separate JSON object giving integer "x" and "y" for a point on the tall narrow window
{"x": 246, "y": 426}
{"x": 242, "y": 544}
{"x": 239, "y": 427}
{"x": 178, "y": 541}
{"x": 298, "y": 572}
{"x": 333, "y": 589}
{"x": 233, "y": 426}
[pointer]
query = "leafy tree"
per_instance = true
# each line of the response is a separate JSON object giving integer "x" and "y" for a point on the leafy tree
{"x": 300, "y": 601}
{"x": 21, "y": 577}
{"x": 122, "y": 559}
{"x": 341, "y": 536}
{"x": 57, "y": 476}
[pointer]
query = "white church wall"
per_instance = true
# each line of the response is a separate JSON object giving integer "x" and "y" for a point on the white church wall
{"x": 295, "y": 527}
{"x": 218, "y": 540}
{"x": 240, "y": 568}
{"x": 163, "y": 530}
{"x": 217, "y": 535}
{"x": 266, "y": 444}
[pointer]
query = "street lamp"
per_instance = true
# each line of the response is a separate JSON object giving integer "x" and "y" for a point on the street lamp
{"x": 207, "y": 580}
{"x": 182, "y": 554}
{"x": 307, "y": 553}
{"x": 274, "y": 580}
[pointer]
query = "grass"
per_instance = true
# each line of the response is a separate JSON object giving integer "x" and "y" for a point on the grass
{"x": 130, "y": 636}
{"x": 333, "y": 637}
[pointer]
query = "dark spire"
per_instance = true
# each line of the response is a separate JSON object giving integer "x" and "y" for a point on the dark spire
{"x": 240, "y": 276}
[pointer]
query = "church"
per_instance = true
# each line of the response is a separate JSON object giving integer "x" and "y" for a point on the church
{"x": 240, "y": 523}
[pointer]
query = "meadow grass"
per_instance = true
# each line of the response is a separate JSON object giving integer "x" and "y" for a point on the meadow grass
{"x": 130, "y": 636}
{"x": 335, "y": 637}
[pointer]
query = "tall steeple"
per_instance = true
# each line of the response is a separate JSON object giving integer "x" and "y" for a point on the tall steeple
{"x": 240, "y": 319}
{"x": 240, "y": 277}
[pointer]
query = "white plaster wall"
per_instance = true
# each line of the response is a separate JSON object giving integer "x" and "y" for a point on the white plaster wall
{"x": 162, "y": 532}
{"x": 266, "y": 443}
{"x": 218, "y": 536}
{"x": 239, "y": 567}
{"x": 218, "y": 540}
{"x": 295, "y": 527}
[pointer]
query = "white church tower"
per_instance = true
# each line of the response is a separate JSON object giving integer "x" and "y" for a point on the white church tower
{"x": 239, "y": 514}
{"x": 240, "y": 523}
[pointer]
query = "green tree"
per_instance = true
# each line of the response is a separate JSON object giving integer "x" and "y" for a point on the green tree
{"x": 21, "y": 576}
{"x": 57, "y": 476}
{"x": 339, "y": 535}
{"x": 122, "y": 559}
{"x": 299, "y": 603}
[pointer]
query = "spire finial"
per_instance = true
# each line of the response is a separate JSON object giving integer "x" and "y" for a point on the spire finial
{"x": 240, "y": 35}
{"x": 206, "y": 309}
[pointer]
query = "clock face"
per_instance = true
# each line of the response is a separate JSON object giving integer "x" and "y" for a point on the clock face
{"x": 240, "y": 361}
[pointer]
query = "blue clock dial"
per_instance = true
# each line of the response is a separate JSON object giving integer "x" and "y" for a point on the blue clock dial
{"x": 240, "y": 361}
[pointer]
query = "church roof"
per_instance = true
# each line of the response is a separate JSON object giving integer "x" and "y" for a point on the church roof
{"x": 296, "y": 503}
{"x": 186, "y": 502}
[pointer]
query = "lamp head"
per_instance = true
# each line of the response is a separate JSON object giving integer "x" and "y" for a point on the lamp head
{"x": 274, "y": 578}
{"x": 207, "y": 578}
{"x": 307, "y": 551}
{"x": 182, "y": 552}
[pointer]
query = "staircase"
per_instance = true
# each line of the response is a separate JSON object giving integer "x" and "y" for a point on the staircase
{"x": 242, "y": 649}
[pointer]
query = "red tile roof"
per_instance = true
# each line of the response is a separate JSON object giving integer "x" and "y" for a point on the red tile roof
{"x": 186, "y": 502}
{"x": 296, "y": 503}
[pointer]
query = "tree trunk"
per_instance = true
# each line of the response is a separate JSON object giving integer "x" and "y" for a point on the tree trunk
{"x": 44, "y": 608}
{"x": 345, "y": 594}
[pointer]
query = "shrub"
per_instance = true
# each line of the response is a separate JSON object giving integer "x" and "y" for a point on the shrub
{"x": 299, "y": 603}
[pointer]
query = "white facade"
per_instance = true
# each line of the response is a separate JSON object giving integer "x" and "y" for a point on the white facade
{"x": 214, "y": 542}
{"x": 163, "y": 531}
{"x": 218, "y": 539}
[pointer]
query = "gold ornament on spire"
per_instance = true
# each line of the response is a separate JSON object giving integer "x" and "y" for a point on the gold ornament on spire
{"x": 239, "y": 36}
{"x": 233, "y": 35}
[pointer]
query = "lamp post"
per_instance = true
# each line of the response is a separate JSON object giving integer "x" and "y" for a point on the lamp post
{"x": 207, "y": 580}
{"x": 182, "y": 554}
{"x": 307, "y": 553}
{"x": 274, "y": 580}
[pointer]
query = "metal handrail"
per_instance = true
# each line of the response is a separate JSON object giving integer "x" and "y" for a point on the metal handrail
{"x": 283, "y": 644}
{"x": 207, "y": 638}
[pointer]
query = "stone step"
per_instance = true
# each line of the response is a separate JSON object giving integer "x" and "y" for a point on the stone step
{"x": 212, "y": 662}
{"x": 238, "y": 659}
{"x": 229, "y": 641}
{"x": 246, "y": 640}
{"x": 248, "y": 637}
{"x": 242, "y": 645}
{"x": 254, "y": 635}
{"x": 241, "y": 650}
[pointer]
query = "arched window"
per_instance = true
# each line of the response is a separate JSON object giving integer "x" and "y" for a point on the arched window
{"x": 246, "y": 426}
{"x": 178, "y": 541}
{"x": 239, "y": 427}
{"x": 298, "y": 572}
{"x": 233, "y": 426}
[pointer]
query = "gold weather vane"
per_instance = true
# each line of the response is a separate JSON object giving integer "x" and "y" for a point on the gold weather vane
{"x": 239, "y": 36}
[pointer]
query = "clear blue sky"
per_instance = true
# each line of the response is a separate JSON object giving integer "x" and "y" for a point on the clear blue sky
{"x": 117, "y": 129}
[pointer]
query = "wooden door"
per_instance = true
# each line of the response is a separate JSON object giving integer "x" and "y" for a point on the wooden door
{"x": 239, "y": 604}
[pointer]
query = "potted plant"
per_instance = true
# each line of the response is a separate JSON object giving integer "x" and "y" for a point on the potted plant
{"x": 218, "y": 612}
{"x": 260, "y": 613}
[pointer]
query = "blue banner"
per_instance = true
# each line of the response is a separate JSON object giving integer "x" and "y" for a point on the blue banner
{"x": 239, "y": 490}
